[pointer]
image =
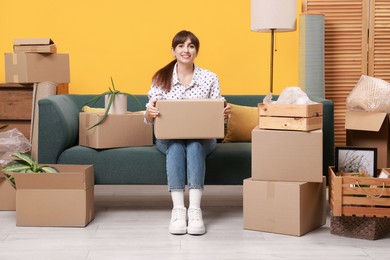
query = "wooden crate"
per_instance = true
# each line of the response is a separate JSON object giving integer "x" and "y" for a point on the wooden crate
{"x": 358, "y": 196}
{"x": 290, "y": 117}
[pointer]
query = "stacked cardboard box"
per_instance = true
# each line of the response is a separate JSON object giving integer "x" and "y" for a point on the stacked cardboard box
{"x": 287, "y": 191}
{"x": 36, "y": 60}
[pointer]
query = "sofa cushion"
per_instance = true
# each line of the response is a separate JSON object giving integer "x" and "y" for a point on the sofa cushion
{"x": 241, "y": 123}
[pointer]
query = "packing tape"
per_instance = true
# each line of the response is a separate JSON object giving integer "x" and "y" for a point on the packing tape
{"x": 270, "y": 190}
{"x": 14, "y": 59}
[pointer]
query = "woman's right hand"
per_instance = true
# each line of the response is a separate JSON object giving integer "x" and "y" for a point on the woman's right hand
{"x": 152, "y": 112}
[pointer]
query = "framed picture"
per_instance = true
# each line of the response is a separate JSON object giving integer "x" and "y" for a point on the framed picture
{"x": 350, "y": 159}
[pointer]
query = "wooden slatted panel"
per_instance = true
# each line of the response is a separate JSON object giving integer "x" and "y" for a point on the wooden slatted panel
{"x": 379, "y": 51}
{"x": 345, "y": 52}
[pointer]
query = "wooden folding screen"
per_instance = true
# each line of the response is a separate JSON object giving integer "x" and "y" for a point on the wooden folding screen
{"x": 379, "y": 40}
{"x": 357, "y": 41}
{"x": 345, "y": 52}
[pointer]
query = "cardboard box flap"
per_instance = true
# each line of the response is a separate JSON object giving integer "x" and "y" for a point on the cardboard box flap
{"x": 69, "y": 177}
{"x": 33, "y": 41}
{"x": 364, "y": 121}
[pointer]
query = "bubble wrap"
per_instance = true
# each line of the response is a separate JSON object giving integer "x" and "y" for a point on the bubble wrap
{"x": 370, "y": 95}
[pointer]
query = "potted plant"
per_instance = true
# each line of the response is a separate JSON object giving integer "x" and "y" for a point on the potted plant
{"x": 25, "y": 164}
{"x": 110, "y": 101}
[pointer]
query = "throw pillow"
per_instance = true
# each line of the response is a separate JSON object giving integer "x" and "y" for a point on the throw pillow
{"x": 241, "y": 123}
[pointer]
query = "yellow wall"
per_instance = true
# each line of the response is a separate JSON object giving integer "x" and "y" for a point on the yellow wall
{"x": 129, "y": 40}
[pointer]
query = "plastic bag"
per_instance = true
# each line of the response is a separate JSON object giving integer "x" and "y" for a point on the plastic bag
{"x": 290, "y": 95}
{"x": 12, "y": 141}
{"x": 370, "y": 95}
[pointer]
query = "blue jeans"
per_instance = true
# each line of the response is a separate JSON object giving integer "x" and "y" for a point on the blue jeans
{"x": 186, "y": 159}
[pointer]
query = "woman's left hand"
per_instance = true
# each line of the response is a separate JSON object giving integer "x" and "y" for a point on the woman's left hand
{"x": 226, "y": 111}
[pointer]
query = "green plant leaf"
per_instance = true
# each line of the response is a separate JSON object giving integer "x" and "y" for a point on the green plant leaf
{"x": 16, "y": 166}
{"x": 112, "y": 83}
{"x": 24, "y": 157}
{"x": 110, "y": 101}
{"x": 94, "y": 100}
{"x": 50, "y": 169}
{"x": 135, "y": 98}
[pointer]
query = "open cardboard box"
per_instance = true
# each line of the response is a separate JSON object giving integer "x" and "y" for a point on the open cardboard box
{"x": 63, "y": 199}
{"x": 38, "y": 45}
{"x": 370, "y": 129}
{"x": 7, "y": 194}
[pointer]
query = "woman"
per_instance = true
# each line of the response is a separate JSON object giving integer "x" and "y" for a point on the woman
{"x": 185, "y": 159}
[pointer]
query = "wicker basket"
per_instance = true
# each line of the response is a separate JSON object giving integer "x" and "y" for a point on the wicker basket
{"x": 360, "y": 206}
{"x": 370, "y": 228}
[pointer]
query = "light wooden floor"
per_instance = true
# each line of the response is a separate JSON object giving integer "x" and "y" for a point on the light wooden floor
{"x": 132, "y": 223}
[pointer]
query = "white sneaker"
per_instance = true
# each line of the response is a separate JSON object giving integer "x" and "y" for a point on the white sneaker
{"x": 195, "y": 222}
{"x": 178, "y": 224}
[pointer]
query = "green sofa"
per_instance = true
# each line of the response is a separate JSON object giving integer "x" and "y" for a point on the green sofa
{"x": 229, "y": 164}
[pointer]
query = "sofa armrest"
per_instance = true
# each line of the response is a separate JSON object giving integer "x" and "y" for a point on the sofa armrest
{"x": 58, "y": 127}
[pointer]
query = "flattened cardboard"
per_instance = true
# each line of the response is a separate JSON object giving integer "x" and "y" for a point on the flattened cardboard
{"x": 38, "y": 45}
{"x": 365, "y": 121}
{"x": 189, "y": 119}
{"x": 33, "y": 41}
{"x": 370, "y": 129}
{"x": 64, "y": 199}
{"x": 290, "y": 208}
{"x": 118, "y": 130}
{"x": 36, "y": 67}
{"x": 7, "y": 195}
{"x": 287, "y": 155}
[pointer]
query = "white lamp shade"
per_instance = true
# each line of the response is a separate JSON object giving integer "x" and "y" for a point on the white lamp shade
{"x": 280, "y": 15}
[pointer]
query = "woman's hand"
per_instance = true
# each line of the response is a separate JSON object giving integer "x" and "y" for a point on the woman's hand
{"x": 151, "y": 111}
{"x": 226, "y": 111}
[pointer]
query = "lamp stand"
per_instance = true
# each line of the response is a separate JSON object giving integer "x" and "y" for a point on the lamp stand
{"x": 271, "y": 69}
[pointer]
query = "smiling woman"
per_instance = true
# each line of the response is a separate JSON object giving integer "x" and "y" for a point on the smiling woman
{"x": 185, "y": 158}
{"x": 128, "y": 40}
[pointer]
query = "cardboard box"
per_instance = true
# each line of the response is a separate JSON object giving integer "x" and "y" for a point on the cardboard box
{"x": 36, "y": 67}
{"x": 305, "y": 117}
{"x": 370, "y": 129}
{"x": 64, "y": 199}
{"x": 287, "y": 155}
{"x": 190, "y": 119}
{"x": 291, "y": 208}
{"x": 7, "y": 195}
{"x": 38, "y": 45}
{"x": 116, "y": 131}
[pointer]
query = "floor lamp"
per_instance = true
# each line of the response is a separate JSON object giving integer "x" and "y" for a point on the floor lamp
{"x": 273, "y": 16}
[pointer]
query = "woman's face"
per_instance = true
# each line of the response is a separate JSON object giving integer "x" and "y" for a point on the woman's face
{"x": 185, "y": 52}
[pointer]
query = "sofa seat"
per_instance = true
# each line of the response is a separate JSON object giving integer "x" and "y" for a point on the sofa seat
{"x": 229, "y": 164}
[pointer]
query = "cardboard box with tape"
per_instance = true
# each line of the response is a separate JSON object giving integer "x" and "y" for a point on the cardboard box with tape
{"x": 36, "y": 67}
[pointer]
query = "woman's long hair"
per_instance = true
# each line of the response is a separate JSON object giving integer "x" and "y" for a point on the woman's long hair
{"x": 163, "y": 77}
